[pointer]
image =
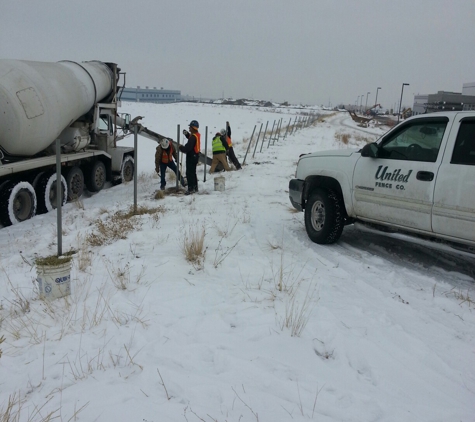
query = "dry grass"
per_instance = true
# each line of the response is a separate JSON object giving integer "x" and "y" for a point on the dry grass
{"x": 19, "y": 305}
{"x": 84, "y": 255}
{"x": 287, "y": 282}
{"x": 192, "y": 245}
{"x": 119, "y": 225}
{"x": 297, "y": 313}
{"x": 159, "y": 194}
{"x": 462, "y": 297}
{"x": 343, "y": 137}
{"x": 54, "y": 260}
{"x": 77, "y": 202}
{"x": 13, "y": 411}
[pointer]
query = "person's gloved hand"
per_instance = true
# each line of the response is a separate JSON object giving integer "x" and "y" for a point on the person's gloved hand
{"x": 185, "y": 132}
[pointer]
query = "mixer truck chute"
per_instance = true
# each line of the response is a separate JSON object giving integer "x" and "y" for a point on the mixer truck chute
{"x": 73, "y": 102}
{"x": 130, "y": 125}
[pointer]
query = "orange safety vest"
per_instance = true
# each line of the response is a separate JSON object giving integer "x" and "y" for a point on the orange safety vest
{"x": 167, "y": 157}
{"x": 228, "y": 140}
{"x": 198, "y": 142}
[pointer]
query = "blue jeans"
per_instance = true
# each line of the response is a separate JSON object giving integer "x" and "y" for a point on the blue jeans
{"x": 163, "y": 169}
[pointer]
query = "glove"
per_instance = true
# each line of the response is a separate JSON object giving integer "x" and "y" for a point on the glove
{"x": 185, "y": 132}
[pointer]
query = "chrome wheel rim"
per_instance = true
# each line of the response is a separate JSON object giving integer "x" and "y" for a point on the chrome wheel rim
{"x": 317, "y": 215}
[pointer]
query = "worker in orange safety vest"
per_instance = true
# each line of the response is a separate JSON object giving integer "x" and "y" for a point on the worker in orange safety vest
{"x": 192, "y": 151}
{"x": 226, "y": 135}
{"x": 165, "y": 155}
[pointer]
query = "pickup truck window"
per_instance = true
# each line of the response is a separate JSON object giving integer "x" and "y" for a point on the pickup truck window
{"x": 415, "y": 141}
{"x": 464, "y": 149}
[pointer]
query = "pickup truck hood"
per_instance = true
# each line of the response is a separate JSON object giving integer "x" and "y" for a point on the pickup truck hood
{"x": 332, "y": 153}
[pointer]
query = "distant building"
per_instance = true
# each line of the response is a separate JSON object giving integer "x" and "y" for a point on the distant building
{"x": 446, "y": 101}
{"x": 420, "y": 104}
{"x": 148, "y": 95}
{"x": 468, "y": 88}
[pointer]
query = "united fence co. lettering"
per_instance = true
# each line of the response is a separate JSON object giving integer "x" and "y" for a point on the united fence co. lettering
{"x": 395, "y": 176}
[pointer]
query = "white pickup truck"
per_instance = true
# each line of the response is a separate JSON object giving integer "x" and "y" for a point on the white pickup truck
{"x": 418, "y": 178}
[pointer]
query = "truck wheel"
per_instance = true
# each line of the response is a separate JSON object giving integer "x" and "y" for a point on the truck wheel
{"x": 128, "y": 167}
{"x": 46, "y": 192}
{"x": 97, "y": 177}
{"x": 323, "y": 217}
{"x": 75, "y": 183}
{"x": 18, "y": 202}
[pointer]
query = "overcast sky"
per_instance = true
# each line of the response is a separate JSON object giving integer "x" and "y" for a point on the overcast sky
{"x": 307, "y": 51}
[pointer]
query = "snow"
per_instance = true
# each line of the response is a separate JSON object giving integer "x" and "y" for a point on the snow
{"x": 388, "y": 328}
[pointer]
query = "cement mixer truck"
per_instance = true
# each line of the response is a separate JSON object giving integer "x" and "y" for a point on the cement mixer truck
{"x": 74, "y": 102}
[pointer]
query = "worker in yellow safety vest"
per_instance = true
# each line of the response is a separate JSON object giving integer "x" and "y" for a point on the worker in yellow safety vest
{"x": 220, "y": 147}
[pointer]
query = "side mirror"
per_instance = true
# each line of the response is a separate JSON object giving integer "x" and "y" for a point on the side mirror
{"x": 370, "y": 150}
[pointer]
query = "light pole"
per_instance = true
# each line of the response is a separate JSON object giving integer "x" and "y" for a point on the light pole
{"x": 400, "y": 101}
{"x": 361, "y": 102}
{"x": 357, "y": 101}
{"x": 376, "y": 100}
{"x": 366, "y": 105}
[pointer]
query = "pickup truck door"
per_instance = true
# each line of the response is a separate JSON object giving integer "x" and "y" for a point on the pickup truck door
{"x": 454, "y": 198}
{"x": 397, "y": 187}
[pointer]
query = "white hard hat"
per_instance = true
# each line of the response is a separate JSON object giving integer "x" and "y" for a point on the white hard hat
{"x": 222, "y": 131}
{"x": 165, "y": 143}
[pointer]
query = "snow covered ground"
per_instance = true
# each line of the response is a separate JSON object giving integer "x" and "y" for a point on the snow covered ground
{"x": 268, "y": 326}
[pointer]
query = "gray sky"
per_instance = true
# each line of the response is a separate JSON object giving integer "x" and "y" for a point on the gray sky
{"x": 308, "y": 51}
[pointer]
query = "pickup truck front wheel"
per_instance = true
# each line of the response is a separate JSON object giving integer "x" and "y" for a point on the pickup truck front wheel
{"x": 323, "y": 216}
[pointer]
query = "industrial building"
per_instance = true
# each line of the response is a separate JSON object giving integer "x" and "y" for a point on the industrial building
{"x": 149, "y": 95}
{"x": 445, "y": 101}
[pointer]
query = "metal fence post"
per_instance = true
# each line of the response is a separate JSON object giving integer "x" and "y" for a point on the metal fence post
{"x": 206, "y": 152}
{"x": 271, "y": 132}
{"x": 59, "y": 197}
{"x": 135, "y": 166}
{"x": 249, "y": 145}
{"x": 178, "y": 175}
{"x": 278, "y": 128}
{"x": 286, "y": 130}
{"x": 257, "y": 141}
{"x": 294, "y": 126}
{"x": 264, "y": 137}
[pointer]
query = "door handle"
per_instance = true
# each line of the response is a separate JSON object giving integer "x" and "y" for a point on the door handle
{"x": 425, "y": 176}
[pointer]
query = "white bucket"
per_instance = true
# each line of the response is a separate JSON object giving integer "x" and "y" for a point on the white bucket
{"x": 54, "y": 281}
{"x": 219, "y": 183}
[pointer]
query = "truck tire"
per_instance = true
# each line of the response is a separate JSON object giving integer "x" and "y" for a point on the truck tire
{"x": 324, "y": 216}
{"x": 75, "y": 183}
{"x": 18, "y": 202}
{"x": 128, "y": 168}
{"x": 97, "y": 177}
{"x": 46, "y": 192}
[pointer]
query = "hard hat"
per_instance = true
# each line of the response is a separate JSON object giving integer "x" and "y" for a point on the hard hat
{"x": 222, "y": 131}
{"x": 195, "y": 124}
{"x": 165, "y": 143}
